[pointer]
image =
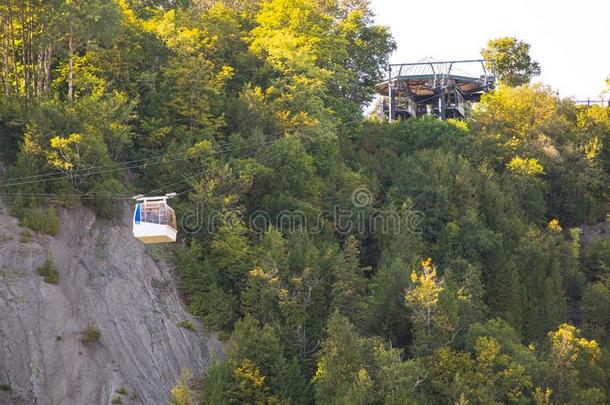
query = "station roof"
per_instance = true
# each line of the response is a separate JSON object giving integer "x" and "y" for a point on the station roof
{"x": 471, "y": 76}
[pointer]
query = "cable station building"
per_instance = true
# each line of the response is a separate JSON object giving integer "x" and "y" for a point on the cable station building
{"x": 442, "y": 89}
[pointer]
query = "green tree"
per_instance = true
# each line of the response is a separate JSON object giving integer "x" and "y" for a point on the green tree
{"x": 596, "y": 309}
{"x": 385, "y": 314}
{"x": 355, "y": 369}
{"x": 342, "y": 376}
{"x": 539, "y": 265}
{"x": 251, "y": 387}
{"x": 349, "y": 288}
{"x": 488, "y": 376}
{"x": 261, "y": 347}
{"x": 514, "y": 65}
{"x": 80, "y": 23}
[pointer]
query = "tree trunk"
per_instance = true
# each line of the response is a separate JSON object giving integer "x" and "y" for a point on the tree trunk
{"x": 40, "y": 70}
{"x": 13, "y": 51}
{"x": 71, "y": 64}
{"x": 5, "y": 79}
{"x": 24, "y": 51}
{"x": 31, "y": 47}
{"x": 47, "y": 69}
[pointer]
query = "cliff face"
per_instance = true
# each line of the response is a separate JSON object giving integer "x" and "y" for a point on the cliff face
{"x": 107, "y": 279}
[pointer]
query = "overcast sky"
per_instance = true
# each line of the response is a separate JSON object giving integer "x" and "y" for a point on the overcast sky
{"x": 570, "y": 39}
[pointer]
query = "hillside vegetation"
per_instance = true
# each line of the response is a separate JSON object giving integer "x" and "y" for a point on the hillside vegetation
{"x": 345, "y": 260}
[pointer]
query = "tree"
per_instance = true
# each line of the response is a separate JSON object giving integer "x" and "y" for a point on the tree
{"x": 349, "y": 288}
{"x": 433, "y": 309}
{"x": 251, "y": 387}
{"x": 488, "y": 376}
{"x": 83, "y": 22}
{"x": 261, "y": 346}
{"x": 596, "y": 309}
{"x": 544, "y": 305}
{"x": 514, "y": 65}
{"x": 384, "y": 313}
{"x": 573, "y": 361}
{"x": 518, "y": 114}
{"x": 193, "y": 81}
{"x": 75, "y": 138}
{"x": 181, "y": 393}
{"x": 353, "y": 369}
{"x": 368, "y": 46}
{"x": 342, "y": 375}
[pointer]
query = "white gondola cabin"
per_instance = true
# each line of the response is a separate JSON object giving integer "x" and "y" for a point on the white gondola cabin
{"x": 153, "y": 220}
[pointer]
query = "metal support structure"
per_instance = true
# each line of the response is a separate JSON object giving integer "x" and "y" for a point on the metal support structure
{"x": 590, "y": 102}
{"x": 442, "y": 103}
{"x": 391, "y": 98}
{"x": 163, "y": 198}
{"x": 412, "y": 86}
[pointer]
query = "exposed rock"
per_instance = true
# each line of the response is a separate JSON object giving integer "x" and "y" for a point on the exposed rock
{"x": 106, "y": 279}
{"x": 589, "y": 233}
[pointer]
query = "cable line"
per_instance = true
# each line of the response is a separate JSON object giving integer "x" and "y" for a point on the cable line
{"x": 60, "y": 174}
{"x": 117, "y": 166}
{"x": 91, "y": 197}
{"x": 46, "y": 178}
{"x": 112, "y": 165}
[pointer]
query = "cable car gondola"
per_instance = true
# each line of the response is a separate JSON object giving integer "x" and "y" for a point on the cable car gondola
{"x": 153, "y": 220}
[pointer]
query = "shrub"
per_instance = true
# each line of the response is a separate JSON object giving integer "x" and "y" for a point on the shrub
{"x": 181, "y": 393}
{"x": 48, "y": 271}
{"x": 41, "y": 220}
{"x": 186, "y": 324}
{"x": 25, "y": 236}
{"x": 215, "y": 308}
{"x": 101, "y": 194}
{"x": 116, "y": 400}
{"x": 121, "y": 391}
{"x": 5, "y": 387}
{"x": 66, "y": 195}
{"x": 91, "y": 334}
{"x": 18, "y": 206}
{"x": 596, "y": 260}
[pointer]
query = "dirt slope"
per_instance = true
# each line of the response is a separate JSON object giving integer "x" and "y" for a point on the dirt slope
{"x": 107, "y": 279}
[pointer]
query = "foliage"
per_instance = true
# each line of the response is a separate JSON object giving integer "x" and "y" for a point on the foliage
{"x": 102, "y": 195}
{"x": 355, "y": 369}
{"x": 596, "y": 316}
{"x": 181, "y": 393}
{"x": 186, "y": 324}
{"x": 431, "y": 310}
{"x": 48, "y": 271}
{"x": 44, "y": 220}
{"x": 513, "y": 63}
{"x": 91, "y": 334}
{"x": 569, "y": 356}
{"x": 525, "y": 167}
{"x": 25, "y": 236}
{"x": 455, "y": 279}
{"x": 596, "y": 260}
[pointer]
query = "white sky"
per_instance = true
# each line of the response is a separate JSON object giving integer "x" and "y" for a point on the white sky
{"x": 570, "y": 39}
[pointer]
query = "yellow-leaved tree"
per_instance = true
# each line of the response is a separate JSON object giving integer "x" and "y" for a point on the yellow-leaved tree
{"x": 433, "y": 308}
{"x": 181, "y": 393}
{"x": 573, "y": 360}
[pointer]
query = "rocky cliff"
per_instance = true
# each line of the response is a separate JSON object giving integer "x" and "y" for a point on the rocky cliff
{"x": 107, "y": 280}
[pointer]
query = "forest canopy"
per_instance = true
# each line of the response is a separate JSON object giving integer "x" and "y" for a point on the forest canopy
{"x": 491, "y": 294}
